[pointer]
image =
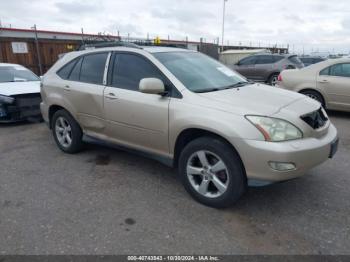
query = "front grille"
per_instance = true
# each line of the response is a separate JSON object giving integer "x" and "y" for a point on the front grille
{"x": 316, "y": 119}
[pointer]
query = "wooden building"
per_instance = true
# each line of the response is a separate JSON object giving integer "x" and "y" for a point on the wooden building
{"x": 34, "y": 49}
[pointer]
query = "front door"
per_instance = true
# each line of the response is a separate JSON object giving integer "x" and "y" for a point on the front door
{"x": 135, "y": 119}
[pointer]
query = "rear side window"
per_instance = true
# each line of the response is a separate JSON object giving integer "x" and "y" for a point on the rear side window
{"x": 92, "y": 68}
{"x": 277, "y": 58}
{"x": 325, "y": 72}
{"x": 340, "y": 70}
{"x": 265, "y": 59}
{"x": 248, "y": 61}
{"x": 65, "y": 71}
{"x": 128, "y": 70}
{"x": 75, "y": 73}
{"x": 295, "y": 60}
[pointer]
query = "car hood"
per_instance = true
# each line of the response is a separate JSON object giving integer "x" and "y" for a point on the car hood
{"x": 251, "y": 99}
{"x": 18, "y": 88}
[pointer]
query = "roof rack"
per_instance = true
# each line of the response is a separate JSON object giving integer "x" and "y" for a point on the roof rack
{"x": 108, "y": 44}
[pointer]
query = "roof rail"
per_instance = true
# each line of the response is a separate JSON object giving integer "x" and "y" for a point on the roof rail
{"x": 108, "y": 44}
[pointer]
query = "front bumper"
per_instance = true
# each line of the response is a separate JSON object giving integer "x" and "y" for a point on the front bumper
{"x": 304, "y": 153}
{"x": 24, "y": 107}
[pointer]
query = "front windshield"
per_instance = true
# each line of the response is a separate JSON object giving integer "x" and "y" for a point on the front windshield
{"x": 198, "y": 72}
{"x": 16, "y": 74}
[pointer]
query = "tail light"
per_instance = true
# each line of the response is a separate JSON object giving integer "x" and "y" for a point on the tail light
{"x": 279, "y": 78}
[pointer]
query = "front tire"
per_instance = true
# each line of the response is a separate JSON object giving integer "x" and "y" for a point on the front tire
{"x": 67, "y": 132}
{"x": 212, "y": 172}
{"x": 314, "y": 95}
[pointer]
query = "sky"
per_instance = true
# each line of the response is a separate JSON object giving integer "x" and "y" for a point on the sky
{"x": 309, "y": 25}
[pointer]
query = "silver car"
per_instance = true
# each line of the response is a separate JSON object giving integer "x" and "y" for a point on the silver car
{"x": 189, "y": 111}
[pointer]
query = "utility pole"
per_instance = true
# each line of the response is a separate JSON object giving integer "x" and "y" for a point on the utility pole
{"x": 223, "y": 26}
{"x": 38, "y": 51}
{"x": 82, "y": 36}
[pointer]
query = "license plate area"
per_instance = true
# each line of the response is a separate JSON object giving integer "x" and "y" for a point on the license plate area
{"x": 334, "y": 148}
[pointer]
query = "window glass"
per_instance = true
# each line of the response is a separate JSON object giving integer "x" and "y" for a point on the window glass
{"x": 277, "y": 58}
{"x": 16, "y": 74}
{"x": 248, "y": 61}
{"x": 93, "y": 67}
{"x": 294, "y": 59}
{"x": 198, "y": 72}
{"x": 265, "y": 59}
{"x": 128, "y": 70}
{"x": 340, "y": 70}
{"x": 325, "y": 72}
{"x": 65, "y": 70}
{"x": 74, "y": 75}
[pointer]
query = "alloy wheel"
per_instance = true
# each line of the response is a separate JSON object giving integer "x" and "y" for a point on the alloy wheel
{"x": 63, "y": 132}
{"x": 207, "y": 173}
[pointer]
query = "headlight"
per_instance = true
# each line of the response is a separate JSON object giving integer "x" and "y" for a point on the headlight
{"x": 274, "y": 129}
{"x": 6, "y": 99}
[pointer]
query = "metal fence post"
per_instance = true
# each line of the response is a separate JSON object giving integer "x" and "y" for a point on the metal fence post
{"x": 38, "y": 51}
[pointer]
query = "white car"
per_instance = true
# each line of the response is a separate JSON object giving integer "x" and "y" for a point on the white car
{"x": 327, "y": 82}
{"x": 19, "y": 93}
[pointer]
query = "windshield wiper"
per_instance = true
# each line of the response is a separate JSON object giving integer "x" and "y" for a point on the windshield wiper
{"x": 207, "y": 90}
{"x": 239, "y": 84}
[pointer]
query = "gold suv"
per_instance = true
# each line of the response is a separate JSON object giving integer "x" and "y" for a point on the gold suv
{"x": 221, "y": 131}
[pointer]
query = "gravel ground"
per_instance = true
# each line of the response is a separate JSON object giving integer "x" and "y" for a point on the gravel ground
{"x": 105, "y": 201}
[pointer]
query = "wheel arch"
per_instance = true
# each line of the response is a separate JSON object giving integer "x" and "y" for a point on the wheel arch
{"x": 190, "y": 134}
{"x": 314, "y": 90}
{"x": 272, "y": 74}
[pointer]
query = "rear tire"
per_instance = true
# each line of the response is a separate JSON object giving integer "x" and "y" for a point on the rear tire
{"x": 273, "y": 79}
{"x": 314, "y": 95}
{"x": 212, "y": 172}
{"x": 66, "y": 132}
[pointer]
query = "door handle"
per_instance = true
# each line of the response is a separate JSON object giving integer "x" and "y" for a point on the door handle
{"x": 111, "y": 96}
{"x": 66, "y": 87}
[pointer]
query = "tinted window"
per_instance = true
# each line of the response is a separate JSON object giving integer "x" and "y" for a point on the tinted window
{"x": 265, "y": 59}
{"x": 65, "y": 70}
{"x": 93, "y": 67}
{"x": 248, "y": 61}
{"x": 307, "y": 60}
{"x": 295, "y": 60}
{"x": 325, "y": 72}
{"x": 128, "y": 70}
{"x": 74, "y": 75}
{"x": 340, "y": 70}
{"x": 277, "y": 58}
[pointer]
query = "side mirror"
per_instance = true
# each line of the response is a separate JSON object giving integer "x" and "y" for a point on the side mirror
{"x": 152, "y": 86}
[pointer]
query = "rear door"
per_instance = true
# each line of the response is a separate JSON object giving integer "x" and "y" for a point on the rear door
{"x": 83, "y": 89}
{"x": 335, "y": 82}
{"x": 263, "y": 67}
{"x": 136, "y": 119}
{"x": 246, "y": 67}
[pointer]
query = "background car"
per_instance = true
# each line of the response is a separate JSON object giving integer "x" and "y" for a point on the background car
{"x": 327, "y": 82}
{"x": 310, "y": 60}
{"x": 19, "y": 93}
{"x": 266, "y": 67}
